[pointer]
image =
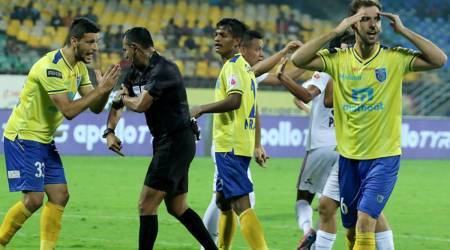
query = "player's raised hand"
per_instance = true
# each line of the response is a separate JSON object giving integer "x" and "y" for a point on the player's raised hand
{"x": 394, "y": 20}
{"x": 109, "y": 79}
{"x": 292, "y": 46}
{"x": 260, "y": 156}
{"x": 348, "y": 22}
{"x": 114, "y": 143}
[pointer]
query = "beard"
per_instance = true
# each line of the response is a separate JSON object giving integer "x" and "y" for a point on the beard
{"x": 79, "y": 55}
{"x": 366, "y": 40}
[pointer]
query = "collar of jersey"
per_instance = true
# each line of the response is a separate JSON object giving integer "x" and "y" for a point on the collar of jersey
{"x": 368, "y": 60}
{"x": 235, "y": 55}
{"x": 65, "y": 61}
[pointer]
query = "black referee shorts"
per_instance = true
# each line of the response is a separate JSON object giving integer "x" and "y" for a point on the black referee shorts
{"x": 172, "y": 155}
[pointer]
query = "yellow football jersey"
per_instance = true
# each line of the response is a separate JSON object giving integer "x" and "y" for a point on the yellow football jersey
{"x": 367, "y": 99}
{"x": 235, "y": 130}
{"x": 35, "y": 117}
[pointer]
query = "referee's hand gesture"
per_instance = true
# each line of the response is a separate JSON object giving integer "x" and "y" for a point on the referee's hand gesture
{"x": 114, "y": 143}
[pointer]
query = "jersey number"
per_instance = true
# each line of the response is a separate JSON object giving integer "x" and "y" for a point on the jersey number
{"x": 40, "y": 166}
{"x": 250, "y": 122}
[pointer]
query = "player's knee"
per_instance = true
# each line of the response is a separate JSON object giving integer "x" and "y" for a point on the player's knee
{"x": 33, "y": 201}
{"x": 60, "y": 198}
{"x": 146, "y": 208}
{"x": 305, "y": 195}
{"x": 327, "y": 211}
{"x": 365, "y": 223}
{"x": 176, "y": 211}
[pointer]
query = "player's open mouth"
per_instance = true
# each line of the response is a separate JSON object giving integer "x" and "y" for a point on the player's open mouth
{"x": 217, "y": 45}
{"x": 372, "y": 34}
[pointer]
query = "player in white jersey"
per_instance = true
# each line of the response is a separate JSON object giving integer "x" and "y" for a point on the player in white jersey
{"x": 251, "y": 50}
{"x": 321, "y": 153}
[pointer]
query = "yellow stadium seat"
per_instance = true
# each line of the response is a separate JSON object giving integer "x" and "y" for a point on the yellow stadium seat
{"x": 49, "y": 30}
{"x": 180, "y": 65}
{"x": 201, "y": 69}
{"x": 213, "y": 71}
{"x": 28, "y": 23}
{"x": 33, "y": 41}
{"x": 118, "y": 18}
{"x": 46, "y": 41}
{"x": 13, "y": 28}
{"x": 22, "y": 35}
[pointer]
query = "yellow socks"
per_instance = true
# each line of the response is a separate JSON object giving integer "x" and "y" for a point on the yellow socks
{"x": 364, "y": 241}
{"x": 252, "y": 230}
{"x": 13, "y": 221}
{"x": 227, "y": 228}
{"x": 50, "y": 225}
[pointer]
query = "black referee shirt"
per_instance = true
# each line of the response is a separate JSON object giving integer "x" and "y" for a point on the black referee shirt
{"x": 162, "y": 79}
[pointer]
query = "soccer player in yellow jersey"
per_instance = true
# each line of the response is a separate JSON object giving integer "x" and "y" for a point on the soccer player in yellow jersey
{"x": 251, "y": 48}
{"x": 235, "y": 121}
{"x": 32, "y": 160}
{"x": 367, "y": 108}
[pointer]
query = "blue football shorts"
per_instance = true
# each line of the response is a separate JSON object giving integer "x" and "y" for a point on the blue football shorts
{"x": 365, "y": 185}
{"x": 232, "y": 179}
{"x": 30, "y": 165}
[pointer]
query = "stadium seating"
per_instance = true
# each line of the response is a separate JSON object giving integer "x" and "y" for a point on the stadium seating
{"x": 32, "y": 39}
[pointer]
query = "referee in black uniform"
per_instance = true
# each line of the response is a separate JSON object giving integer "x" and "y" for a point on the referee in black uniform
{"x": 154, "y": 86}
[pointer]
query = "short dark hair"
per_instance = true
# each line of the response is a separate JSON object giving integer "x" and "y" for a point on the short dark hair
{"x": 79, "y": 27}
{"x": 139, "y": 35}
{"x": 236, "y": 27}
{"x": 356, "y": 4}
{"x": 347, "y": 37}
{"x": 249, "y": 36}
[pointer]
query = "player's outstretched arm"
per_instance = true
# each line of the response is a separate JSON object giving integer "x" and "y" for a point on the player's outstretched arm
{"x": 328, "y": 97}
{"x": 267, "y": 64}
{"x": 293, "y": 73}
{"x": 304, "y": 94}
{"x": 306, "y": 58}
{"x": 431, "y": 57}
{"x": 232, "y": 102}
{"x": 70, "y": 109}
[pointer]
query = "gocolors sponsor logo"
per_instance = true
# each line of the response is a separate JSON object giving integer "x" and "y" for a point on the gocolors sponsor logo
{"x": 283, "y": 135}
{"x": 362, "y": 95}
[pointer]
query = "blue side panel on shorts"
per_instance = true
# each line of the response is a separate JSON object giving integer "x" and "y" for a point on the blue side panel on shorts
{"x": 232, "y": 178}
{"x": 366, "y": 185}
{"x": 30, "y": 165}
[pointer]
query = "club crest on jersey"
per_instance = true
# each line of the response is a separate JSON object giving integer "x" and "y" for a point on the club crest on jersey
{"x": 381, "y": 74}
{"x": 233, "y": 80}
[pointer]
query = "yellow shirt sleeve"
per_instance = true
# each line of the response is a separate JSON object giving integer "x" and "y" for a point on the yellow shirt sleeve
{"x": 406, "y": 58}
{"x": 85, "y": 80}
{"x": 52, "y": 80}
{"x": 329, "y": 60}
{"x": 233, "y": 78}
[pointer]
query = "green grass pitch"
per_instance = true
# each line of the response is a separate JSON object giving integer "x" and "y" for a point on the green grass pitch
{"x": 102, "y": 211}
